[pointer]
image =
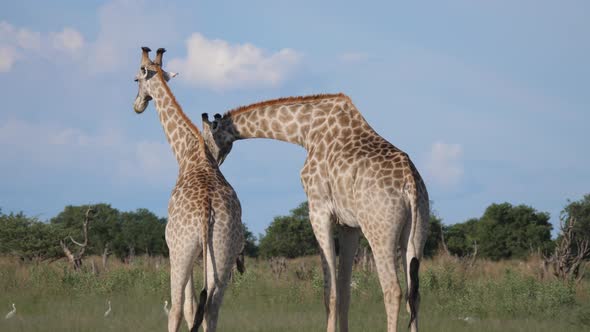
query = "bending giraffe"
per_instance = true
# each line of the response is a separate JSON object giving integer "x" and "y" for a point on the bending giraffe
{"x": 353, "y": 178}
{"x": 204, "y": 213}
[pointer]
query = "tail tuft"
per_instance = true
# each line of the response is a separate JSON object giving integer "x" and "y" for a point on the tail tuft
{"x": 240, "y": 263}
{"x": 200, "y": 310}
{"x": 414, "y": 283}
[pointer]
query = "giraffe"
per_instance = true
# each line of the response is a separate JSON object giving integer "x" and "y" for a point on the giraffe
{"x": 204, "y": 213}
{"x": 353, "y": 178}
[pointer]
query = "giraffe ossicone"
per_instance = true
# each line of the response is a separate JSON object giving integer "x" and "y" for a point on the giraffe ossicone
{"x": 204, "y": 213}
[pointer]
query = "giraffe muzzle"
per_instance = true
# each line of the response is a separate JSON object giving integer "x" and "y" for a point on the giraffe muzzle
{"x": 140, "y": 104}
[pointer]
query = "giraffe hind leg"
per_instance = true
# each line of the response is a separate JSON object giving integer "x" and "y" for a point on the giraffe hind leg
{"x": 384, "y": 244}
{"x": 182, "y": 258}
{"x": 190, "y": 303}
{"x": 179, "y": 277}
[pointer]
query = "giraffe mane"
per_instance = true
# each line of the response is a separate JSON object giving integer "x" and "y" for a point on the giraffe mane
{"x": 283, "y": 101}
{"x": 187, "y": 120}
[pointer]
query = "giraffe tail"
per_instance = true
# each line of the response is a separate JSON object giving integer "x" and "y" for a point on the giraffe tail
{"x": 240, "y": 263}
{"x": 200, "y": 314}
{"x": 413, "y": 293}
{"x": 414, "y": 253}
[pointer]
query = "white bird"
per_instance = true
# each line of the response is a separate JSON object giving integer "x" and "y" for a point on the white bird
{"x": 11, "y": 313}
{"x": 106, "y": 313}
{"x": 166, "y": 309}
{"x": 468, "y": 319}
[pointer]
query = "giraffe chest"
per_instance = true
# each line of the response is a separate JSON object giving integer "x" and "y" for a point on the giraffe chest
{"x": 333, "y": 189}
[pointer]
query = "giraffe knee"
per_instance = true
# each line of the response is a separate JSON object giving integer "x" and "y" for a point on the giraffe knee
{"x": 397, "y": 292}
{"x": 333, "y": 300}
{"x": 393, "y": 294}
{"x": 175, "y": 311}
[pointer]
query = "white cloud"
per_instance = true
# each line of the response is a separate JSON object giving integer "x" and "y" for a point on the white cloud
{"x": 444, "y": 165}
{"x": 8, "y": 57}
{"x": 218, "y": 64}
{"x": 7, "y": 33}
{"x": 28, "y": 40}
{"x": 68, "y": 40}
{"x": 18, "y": 43}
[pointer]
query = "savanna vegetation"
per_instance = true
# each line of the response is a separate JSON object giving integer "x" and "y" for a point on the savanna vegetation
{"x": 498, "y": 272}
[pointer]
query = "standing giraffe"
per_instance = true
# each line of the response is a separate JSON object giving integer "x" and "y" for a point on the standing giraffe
{"x": 353, "y": 178}
{"x": 204, "y": 213}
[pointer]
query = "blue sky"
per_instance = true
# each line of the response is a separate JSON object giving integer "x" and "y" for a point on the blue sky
{"x": 490, "y": 99}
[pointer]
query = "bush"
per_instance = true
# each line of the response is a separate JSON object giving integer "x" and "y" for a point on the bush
{"x": 513, "y": 295}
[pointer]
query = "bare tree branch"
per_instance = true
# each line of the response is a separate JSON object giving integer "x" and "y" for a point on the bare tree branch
{"x": 443, "y": 242}
{"x": 570, "y": 253}
{"x": 76, "y": 259}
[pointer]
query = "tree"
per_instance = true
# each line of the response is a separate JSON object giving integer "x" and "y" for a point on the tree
{"x": 112, "y": 231}
{"x": 460, "y": 237}
{"x": 433, "y": 241}
{"x": 27, "y": 238}
{"x": 104, "y": 228}
{"x": 75, "y": 257}
{"x": 506, "y": 231}
{"x": 290, "y": 236}
{"x": 142, "y": 232}
{"x": 251, "y": 249}
{"x": 570, "y": 252}
{"x": 580, "y": 212}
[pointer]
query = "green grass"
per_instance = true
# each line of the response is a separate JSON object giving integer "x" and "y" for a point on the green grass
{"x": 497, "y": 296}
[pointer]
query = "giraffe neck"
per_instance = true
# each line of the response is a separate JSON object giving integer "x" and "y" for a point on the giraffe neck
{"x": 184, "y": 137}
{"x": 293, "y": 119}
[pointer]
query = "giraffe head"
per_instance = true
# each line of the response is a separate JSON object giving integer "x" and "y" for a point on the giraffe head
{"x": 219, "y": 135}
{"x": 149, "y": 73}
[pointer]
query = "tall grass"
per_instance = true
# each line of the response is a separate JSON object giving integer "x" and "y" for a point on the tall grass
{"x": 490, "y": 296}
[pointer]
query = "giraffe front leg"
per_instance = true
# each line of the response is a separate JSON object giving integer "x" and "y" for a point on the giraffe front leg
{"x": 348, "y": 240}
{"x": 321, "y": 222}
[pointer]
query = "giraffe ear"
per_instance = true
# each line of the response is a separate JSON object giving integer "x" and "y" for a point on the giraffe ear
{"x": 168, "y": 75}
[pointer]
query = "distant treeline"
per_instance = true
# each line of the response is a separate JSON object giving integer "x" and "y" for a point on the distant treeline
{"x": 503, "y": 231}
{"x": 123, "y": 234}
